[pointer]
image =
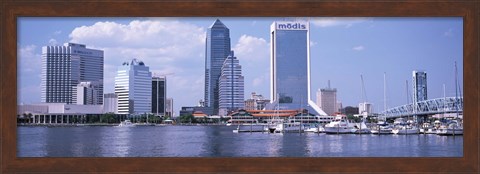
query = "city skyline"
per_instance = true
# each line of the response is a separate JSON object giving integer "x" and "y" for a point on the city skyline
{"x": 341, "y": 49}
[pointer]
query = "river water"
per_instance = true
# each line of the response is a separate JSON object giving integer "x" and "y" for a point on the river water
{"x": 220, "y": 141}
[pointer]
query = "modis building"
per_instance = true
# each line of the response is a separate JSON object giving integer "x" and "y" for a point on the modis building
{"x": 290, "y": 66}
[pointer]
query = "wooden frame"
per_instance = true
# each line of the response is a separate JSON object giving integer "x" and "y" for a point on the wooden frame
{"x": 10, "y": 10}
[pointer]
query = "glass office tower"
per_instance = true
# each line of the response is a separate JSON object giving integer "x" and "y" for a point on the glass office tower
{"x": 216, "y": 51}
{"x": 290, "y": 66}
{"x": 419, "y": 86}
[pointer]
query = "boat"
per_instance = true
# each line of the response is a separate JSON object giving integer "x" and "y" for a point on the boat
{"x": 405, "y": 130}
{"x": 361, "y": 128}
{"x": 340, "y": 125}
{"x": 452, "y": 129}
{"x": 250, "y": 127}
{"x": 315, "y": 128}
{"x": 382, "y": 128}
{"x": 403, "y": 127}
{"x": 427, "y": 128}
{"x": 126, "y": 123}
{"x": 294, "y": 127}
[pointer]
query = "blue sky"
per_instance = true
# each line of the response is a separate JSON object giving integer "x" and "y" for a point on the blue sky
{"x": 342, "y": 49}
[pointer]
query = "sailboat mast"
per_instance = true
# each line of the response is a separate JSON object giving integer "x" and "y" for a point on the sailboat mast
{"x": 406, "y": 88}
{"x": 444, "y": 100}
{"x": 456, "y": 92}
{"x": 384, "y": 92}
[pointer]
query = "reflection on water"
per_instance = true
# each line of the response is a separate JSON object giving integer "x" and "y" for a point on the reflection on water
{"x": 220, "y": 141}
{"x": 116, "y": 142}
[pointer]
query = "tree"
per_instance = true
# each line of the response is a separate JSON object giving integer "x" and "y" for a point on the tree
{"x": 188, "y": 118}
{"x": 108, "y": 118}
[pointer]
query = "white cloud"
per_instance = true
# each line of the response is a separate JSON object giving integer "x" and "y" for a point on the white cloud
{"x": 166, "y": 45}
{"x": 57, "y": 32}
{"x": 153, "y": 41}
{"x": 29, "y": 71}
{"x": 53, "y": 42}
{"x": 346, "y": 22}
{"x": 29, "y": 59}
{"x": 448, "y": 33}
{"x": 358, "y": 48}
{"x": 261, "y": 80}
{"x": 251, "y": 48}
{"x": 312, "y": 43}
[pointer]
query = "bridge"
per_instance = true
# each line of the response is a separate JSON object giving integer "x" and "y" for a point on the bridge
{"x": 426, "y": 107}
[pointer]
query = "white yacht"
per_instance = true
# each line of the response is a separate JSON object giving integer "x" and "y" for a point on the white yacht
{"x": 360, "y": 128}
{"x": 451, "y": 129}
{"x": 250, "y": 127}
{"x": 126, "y": 123}
{"x": 405, "y": 130}
{"x": 315, "y": 128}
{"x": 403, "y": 127}
{"x": 340, "y": 125}
{"x": 427, "y": 128}
{"x": 382, "y": 128}
{"x": 292, "y": 127}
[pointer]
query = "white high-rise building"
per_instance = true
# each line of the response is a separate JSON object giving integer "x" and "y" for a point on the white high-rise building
{"x": 85, "y": 94}
{"x": 64, "y": 67}
{"x": 133, "y": 86}
{"x": 365, "y": 108}
{"x": 110, "y": 103}
{"x": 231, "y": 86}
{"x": 290, "y": 66}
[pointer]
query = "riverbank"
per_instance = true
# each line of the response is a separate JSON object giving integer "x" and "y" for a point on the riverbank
{"x": 115, "y": 124}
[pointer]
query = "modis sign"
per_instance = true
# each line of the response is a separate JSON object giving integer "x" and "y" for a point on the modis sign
{"x": 292, "y": 26}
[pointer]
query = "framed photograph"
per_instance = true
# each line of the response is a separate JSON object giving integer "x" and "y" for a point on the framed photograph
{"x": 131, "y": 88}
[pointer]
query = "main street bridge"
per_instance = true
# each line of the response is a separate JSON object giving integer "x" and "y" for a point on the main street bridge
{"x": 426, "y": 107}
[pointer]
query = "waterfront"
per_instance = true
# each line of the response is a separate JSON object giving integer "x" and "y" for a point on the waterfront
{"x": 220, "y": 141}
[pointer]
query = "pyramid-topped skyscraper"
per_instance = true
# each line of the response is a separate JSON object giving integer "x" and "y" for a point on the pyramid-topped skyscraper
{"x": 216, "y": 51}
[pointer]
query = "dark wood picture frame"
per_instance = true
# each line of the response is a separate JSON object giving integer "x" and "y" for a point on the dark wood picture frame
{"x": 11, "y": 10}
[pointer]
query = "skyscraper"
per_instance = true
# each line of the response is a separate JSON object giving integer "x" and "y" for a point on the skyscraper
{"x": 216, "y": 51}
{"x": 419, "y": 86}
{"x": 231, "y": 86}
{"x": 169, "y": 107}
{"x": 327, "y": 100}
{"x": 84, "y": 94}
{"x": 110, "y": 103}
{"x": 290, "y": 66}
{"x": 159, "y": 94}
{"x": 133, "y": 86}
{"x": 64, "y": 67}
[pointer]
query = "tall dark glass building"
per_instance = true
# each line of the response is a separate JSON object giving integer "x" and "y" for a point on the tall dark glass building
{"x": 159, "y": 95}
{"x": 419, "y": 79}
{"x": 290, "y": 66}
{"x": 216, "y": 51}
